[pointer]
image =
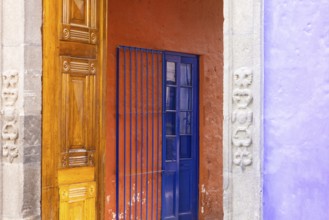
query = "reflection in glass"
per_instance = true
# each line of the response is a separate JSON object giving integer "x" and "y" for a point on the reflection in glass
{"x": 185, "y": 123}
{"x": 170, "y": 149}
{"x": 185, "y": 74}
{"x": 185, "y": 146}
{"x": 171, "y": 73}
{"x": 185, "y": 99}
{"x": 170, "y": 98}
{"x": 170, "y": 123}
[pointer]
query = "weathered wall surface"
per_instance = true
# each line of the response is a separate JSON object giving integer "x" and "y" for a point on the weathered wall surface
{"x": 191, "y": 26}
{"x": 21, "y": 66}
{"x": 296, "y": 164}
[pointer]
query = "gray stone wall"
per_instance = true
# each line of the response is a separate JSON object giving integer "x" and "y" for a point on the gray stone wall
{"x": 21, "y": 72}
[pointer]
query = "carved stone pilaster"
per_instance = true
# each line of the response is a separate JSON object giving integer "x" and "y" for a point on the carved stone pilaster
{"x": 10, "y": 130}
{"x": 20, "y": 109}
{"x": 242, "y": 117}
{"x": 242, "y": 131}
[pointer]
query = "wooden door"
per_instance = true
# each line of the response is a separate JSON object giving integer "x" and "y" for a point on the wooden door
{"x": 72, "y": 146}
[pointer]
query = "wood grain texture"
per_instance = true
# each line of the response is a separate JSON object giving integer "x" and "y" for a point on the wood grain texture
{"x": 73, "y": 175}
{"x": 73, "y": 113}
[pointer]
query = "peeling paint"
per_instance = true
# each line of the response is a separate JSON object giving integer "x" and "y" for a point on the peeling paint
{"x": 137, "y": 199}
{"x": 204, "y": 195}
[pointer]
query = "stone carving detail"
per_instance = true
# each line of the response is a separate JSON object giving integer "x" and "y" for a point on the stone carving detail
{"x": 242, "y": 117}
{"x": 10, "y": 130}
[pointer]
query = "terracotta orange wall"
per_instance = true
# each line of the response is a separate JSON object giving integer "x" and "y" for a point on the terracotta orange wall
{"x": 187, "y": 26}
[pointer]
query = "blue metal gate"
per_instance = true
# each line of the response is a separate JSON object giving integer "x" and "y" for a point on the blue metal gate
{"x": 157, "y": 135}
{"x": 139, "y": 141}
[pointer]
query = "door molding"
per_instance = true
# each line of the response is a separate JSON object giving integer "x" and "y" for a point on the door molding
{"x": 242, "y": 126}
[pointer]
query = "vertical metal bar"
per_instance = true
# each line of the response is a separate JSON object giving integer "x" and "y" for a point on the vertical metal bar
{"x": 147, "y": 132}
{"x": 152, "y": 134}
{"x": 177, "y": 132}
{"x": 124, "y": 132}
{"x": 142, "y": 125}
{"x": 163, "y": 98}
{"x": 136, "y": 130}
{"x": 117, "y": 134}
{"x": 158, "y": 135}
{"x": 130, "y": 132}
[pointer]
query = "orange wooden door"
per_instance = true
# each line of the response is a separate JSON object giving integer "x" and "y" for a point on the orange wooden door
{"x": 73, "y": 33}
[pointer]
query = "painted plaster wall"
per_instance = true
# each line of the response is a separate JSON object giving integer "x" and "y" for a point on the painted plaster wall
{"x": 296, "y": 165}
{"x": 187, "y": 26}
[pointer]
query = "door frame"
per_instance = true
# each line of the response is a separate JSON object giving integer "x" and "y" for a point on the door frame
{"x": 243, "y": 54}
{"x": 50, "y": 106}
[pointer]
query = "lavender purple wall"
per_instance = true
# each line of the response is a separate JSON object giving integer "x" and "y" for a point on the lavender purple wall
{"x": 296, "y": 154}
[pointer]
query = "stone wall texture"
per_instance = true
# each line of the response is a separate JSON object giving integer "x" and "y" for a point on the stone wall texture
{"x": 296, "y": 164}
{"x": 21, "y": 68}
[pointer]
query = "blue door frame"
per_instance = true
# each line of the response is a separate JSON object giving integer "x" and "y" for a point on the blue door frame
{"x": 180, "y": 151}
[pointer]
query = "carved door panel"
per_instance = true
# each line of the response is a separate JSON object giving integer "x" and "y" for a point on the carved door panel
{"x": 72, "y": 109}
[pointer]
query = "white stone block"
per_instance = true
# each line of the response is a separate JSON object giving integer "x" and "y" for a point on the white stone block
{"x": 32, "y": 57}
{"x": 33, "y": 22}
{"x": 13, "y": 183}
{"x": 13, "y": 22}
{"x": 13, "y": 58}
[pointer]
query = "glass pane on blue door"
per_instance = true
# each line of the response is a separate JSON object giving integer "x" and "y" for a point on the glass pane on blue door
{"x": 185, "y": 74}
{"x": 171, "y": 150}
{"x": 170, "y": 98}
{"x": 171, "y": 73}
{"x": 185, "y": 122}
{"x": 170, "y": 123}
{"x": 185, "y": 99}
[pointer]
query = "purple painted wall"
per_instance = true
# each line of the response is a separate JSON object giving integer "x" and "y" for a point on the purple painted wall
{"x": 296, "y": 154}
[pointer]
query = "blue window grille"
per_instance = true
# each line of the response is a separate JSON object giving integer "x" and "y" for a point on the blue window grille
{"x": 139, "y": 138}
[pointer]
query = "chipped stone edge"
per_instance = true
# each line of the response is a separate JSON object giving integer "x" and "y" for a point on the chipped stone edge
{"x": 243, "y": 47}
{"x": 1, "y": 166}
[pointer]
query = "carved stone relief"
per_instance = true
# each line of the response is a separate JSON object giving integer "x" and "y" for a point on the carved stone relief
{"x": 242, "y": 117}
{"x": 10, "y": 130}
{"x": 242, "y": 125}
